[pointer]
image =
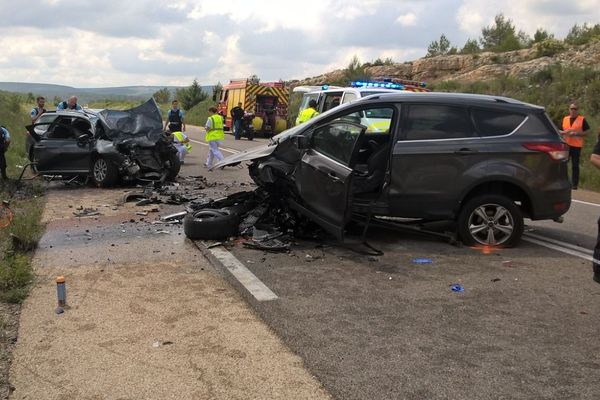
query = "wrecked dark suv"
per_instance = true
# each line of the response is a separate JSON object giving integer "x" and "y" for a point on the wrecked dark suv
{"x": 107, "y": 145}
{"x": 481, "y": 162}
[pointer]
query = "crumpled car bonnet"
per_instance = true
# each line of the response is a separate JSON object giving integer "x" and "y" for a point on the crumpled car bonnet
{"x": 142, "y": 124}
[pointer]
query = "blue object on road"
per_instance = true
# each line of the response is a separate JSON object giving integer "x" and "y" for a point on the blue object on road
{"x": 457, "y": 288}
{"x": 422, "y": 260}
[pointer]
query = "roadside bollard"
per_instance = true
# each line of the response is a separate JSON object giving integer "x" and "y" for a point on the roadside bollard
{"x": 61, "y": 291}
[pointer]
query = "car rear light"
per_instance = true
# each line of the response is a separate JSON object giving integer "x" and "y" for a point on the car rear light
{"x": 557, "y": 151}
{"x": 562, "y": 206}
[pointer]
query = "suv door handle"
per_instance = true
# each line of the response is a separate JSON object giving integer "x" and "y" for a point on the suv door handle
{"x": 333, "y": 176}
{"x": 465, "y": 152}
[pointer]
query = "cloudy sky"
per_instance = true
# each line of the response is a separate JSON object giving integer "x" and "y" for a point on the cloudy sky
{"x": 155, "y": 42}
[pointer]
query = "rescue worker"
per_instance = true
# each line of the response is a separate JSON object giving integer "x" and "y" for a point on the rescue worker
{"x": 237, "y": 114}
{"x": 308, "y": 113}
{"x": 37, "y": 111}
{"x": 214, "y": 136}
{"x": 182, "y": 144}
{"x": 574, "y": 130}
{"x": 4, "y": 143}
{"x": 70, "y": 104}
{"x": 175, "y": 119}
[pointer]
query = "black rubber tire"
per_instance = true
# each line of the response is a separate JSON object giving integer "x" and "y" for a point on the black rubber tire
{"x": 508, "y": 226}
{"x": 175, "y": 167}
{"x": 104, "y": 172}
{"x": 210, "y": 224}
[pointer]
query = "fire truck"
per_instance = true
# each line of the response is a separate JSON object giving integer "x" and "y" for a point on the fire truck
{"x": 266, "y": 102}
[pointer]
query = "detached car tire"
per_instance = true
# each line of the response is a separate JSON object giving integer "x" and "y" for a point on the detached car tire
{"x": 210, "y": 224}
{"x": 175, "y": 167}
{"x": 490, "y": 220}
{"x": 104, "y": 172}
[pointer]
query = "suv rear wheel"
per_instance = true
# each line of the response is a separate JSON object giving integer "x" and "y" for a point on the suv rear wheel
{"x": 491, "y": 220}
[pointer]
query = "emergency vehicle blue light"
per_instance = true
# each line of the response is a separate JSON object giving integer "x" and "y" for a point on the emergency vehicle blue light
{"x": 389, "y": 85}
{"x": 324, "y": 87}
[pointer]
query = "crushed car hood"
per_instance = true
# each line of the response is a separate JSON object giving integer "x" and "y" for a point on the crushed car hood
{"x": 261, "y": 151}
{"x": 247, "y": 155}
{"x": 141, "y": 125}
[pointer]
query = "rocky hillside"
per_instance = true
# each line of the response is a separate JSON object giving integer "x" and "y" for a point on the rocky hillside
{"x": 475, "y": 67}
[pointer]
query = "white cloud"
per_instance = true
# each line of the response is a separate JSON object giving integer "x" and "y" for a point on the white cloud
{"x": 409, "y": 19}
{"x": 171, "y": 42}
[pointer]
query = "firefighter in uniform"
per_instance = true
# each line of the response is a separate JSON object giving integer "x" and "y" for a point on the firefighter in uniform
{"x": 574, "y": 129}
{"x": 175, "y": 120}
{"x": 308, "y": 113}
{"x": 214, "y": 136}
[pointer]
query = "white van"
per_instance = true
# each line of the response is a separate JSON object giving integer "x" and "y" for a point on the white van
{"x": 328, "y": 97}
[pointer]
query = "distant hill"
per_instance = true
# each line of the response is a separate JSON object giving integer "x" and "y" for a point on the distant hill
{"x": 86, "y": 95}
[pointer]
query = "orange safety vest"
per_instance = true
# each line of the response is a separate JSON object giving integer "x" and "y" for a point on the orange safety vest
{"x": 573, "y": 141}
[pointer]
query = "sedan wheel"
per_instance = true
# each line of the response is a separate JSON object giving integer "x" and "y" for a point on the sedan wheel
{"x": 104, "y": 173}
{"x": 490, "y": 220}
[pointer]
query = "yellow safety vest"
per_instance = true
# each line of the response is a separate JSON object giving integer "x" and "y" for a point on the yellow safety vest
{"x": 215, "y": 132}
{"x": 180, "y": 138}
{"x": 307, "y": 114}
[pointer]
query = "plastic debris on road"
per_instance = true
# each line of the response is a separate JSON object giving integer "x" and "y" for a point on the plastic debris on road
{"x": 457, "y": 287}
{"x": 422, "y": 260}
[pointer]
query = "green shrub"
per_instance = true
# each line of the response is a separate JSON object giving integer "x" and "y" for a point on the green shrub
{"x": 15, "y": 277}
{"x": 549, "y": 47}
{"x": 26, "y": 229}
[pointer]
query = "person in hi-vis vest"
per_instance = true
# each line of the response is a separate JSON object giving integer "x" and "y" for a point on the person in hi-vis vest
{"x": 574, "y": 130}
{"x": 214, "y": 136}
{"x": 182, "y": 144}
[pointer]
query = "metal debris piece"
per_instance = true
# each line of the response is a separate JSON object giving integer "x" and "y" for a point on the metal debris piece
{"x": 177, "y": 216}
{"x": 86, "y": 212}
{"x": 274, "y": 245}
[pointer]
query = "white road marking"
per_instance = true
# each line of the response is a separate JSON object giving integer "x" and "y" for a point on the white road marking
{"x": 254, "y": 285}
{"x": 559, "y": 243}
{"x": 233, "y": 151}
{"x": 545, "y": 243}
{"x": 585, "y": 202}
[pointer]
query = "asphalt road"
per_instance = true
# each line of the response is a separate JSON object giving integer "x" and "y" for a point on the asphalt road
{"x": 387, "y": 327}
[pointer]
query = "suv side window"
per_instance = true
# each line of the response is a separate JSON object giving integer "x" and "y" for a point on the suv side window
{"x": 496, "y": 122}
{"x": 431, "y": 121}
{"x": 336, "y": 140}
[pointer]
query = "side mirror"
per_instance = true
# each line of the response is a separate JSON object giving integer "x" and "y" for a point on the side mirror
{"x": 301, "y": 142}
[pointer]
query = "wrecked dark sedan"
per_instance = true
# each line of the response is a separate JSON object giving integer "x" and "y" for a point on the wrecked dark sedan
{"x": 481, "y": 163}
{"x": 106, "y": 145}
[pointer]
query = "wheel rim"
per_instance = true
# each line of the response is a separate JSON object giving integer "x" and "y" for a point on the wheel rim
{"x": 100, "y": 170}
{"x": 491, "y": 224}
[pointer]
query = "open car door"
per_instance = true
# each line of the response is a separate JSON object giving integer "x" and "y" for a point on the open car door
{"x": 324, "y": 177}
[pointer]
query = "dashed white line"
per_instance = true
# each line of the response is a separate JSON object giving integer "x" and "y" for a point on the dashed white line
{"x": 254, "y": 285}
